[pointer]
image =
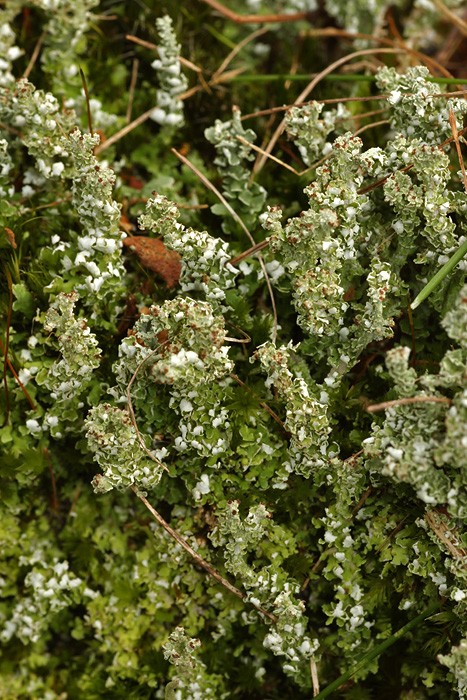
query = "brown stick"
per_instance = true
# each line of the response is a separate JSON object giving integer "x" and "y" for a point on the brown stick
{"x": 263, "y": 404}
{"x": 7, "y": 342}
{"x": 199, "y": 560}
{"x": 256, "y": 19}
{"x": 406, "y": 402}
{"x": 237, "y": 48}
{"x": 34, "y": 56}
{"x": 131, "y": 95}
{"x": 428, "y": 60}
{"x": 17, "y": 379}
{"x": 153, "y": 47}
{"x": 251, "y": 251}
{"x": 455, "y": 135}
{"x": 451, "y": 16}
{"x": 449, "y": 538}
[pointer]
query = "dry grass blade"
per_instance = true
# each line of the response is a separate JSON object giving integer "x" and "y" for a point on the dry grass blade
{"x": 268, "y": 155}
{"x": 310, "y": 87}
{"x": 255, "y": 19}
{"x": 17, "y": 379}
{"x": 448, "y": 537}
{"x": 131, "y": 92}
{"x": 123, "y": 132}
{"x": 88, "y": 103}
{"x": 229, "y": 58}
{"x": 263, "y": 404}
{"x": 236, "y": 218}
{"x": 406, "y": 401}
{"x": 455, "y": 136}
{"x": 34, "y": 56}
{"x": 373, "y": 125}
{"x": 153, "y": 47}
{"x": 451, "y": 16}
{"x": 384, "y": 41}
{"x": 251, "y": 251}
{"x": 196, "y": 557}
{"x": 314, "y": 677}
{"x": 332, "y": 101}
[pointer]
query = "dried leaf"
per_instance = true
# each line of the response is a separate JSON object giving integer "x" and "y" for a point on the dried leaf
{"x": 10, "y": 237}
{"x": 153, "y": 254}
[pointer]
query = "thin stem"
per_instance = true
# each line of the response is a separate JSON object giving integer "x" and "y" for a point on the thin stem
{"x": 197, "y": 558}
{"x": 377, "y": 651}
{"x": 304, "y": 94}
{"x": 88, "y": 103}
{"x": 263, "y": 404}
{"x": 406, "y": 401}
{"x": 455, "y": 136}
{"x": 256, "y": 19}
{"x": 251, "y": 251}
{"x": 34, "y": 56}
{"x": 17, "y": 379}
{"x": 314, "y": 677}
{"x": 440, "y": 275}
{"x": 236, "y": 217}
{"x": 7, "y": 342}
{"x": 238, "y": 47}
{"x": 131, "y": 92}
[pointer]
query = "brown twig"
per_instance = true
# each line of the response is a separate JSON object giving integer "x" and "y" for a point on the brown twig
{"x": 455, "y": 135}
{"x": 237, "y": 48}
{"x": 236, "y": 217}
{"x": 197, "y": 558}
{"x": 337, "y": 100}
{"x": 123, "y": 132}
{"x": 146, "y": 115}
{"x": 131, "y": 91}
{"x": 251, "y": 251}
{"x": 451, "y": 16}
{"x": 153, "y": 47}
{"x": 34, "y": 56}
{"x": 7, "y": 341}
{"x": 373, "y": 125}
{"x": 407, "y": 401}
{"x": 384, "y": 41}
{"x": 268, "y": 155}
{"x": 263, "y": 404}
{"x": 17, "y": 379}
{"x": 256, "y": 19}
{"x": 310, "y": 87}
{"x": 393, "y": 532}
{"x": 448, "y": 537}
{"x": 365, "y": 495}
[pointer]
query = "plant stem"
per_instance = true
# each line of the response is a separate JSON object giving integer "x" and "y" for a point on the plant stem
{"x": 198, "y": 559}
{"x": 345, "y": 77}
{"x": 377, "y": 651}
{"x": 440, "y": 275}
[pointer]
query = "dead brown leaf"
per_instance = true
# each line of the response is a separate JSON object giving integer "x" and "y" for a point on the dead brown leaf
{"x": 153, "y": 254}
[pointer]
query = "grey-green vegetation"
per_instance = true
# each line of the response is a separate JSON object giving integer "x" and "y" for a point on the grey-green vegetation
{"x": 299, "y": 431}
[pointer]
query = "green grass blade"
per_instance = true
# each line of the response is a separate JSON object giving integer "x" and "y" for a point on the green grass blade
{"x": 440, "y": 275}
{"x": 377, "y": 651}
